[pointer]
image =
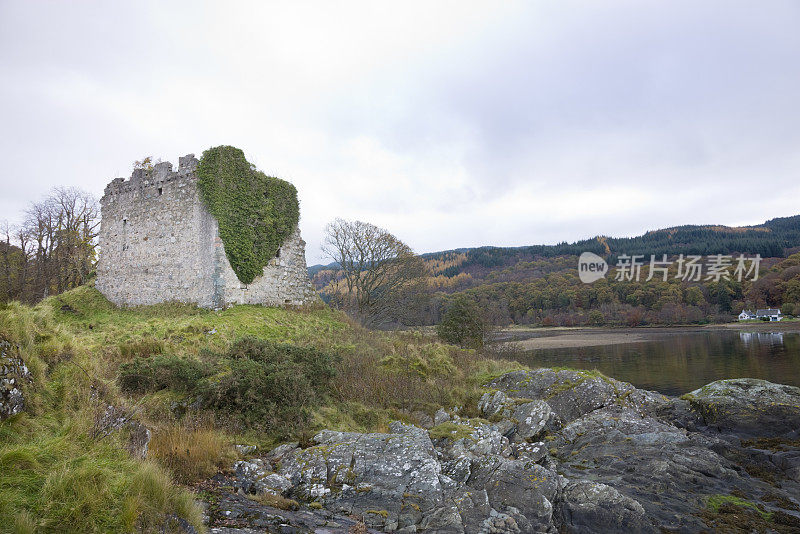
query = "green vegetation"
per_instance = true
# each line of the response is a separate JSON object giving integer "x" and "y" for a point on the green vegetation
{"x": 200, "y": 380}
{"x": 262, "y": 383}
{"x": 732, "y": 513}
{"x": 268, "y": 384}
{"x": 256, "y": 212}
{"x": 61, "y": 470}
{"x": 718, "y": 501}
{"x": 539, "y": 285}
{"x": 149, "y": 374}
{"x": 463, "y": 324}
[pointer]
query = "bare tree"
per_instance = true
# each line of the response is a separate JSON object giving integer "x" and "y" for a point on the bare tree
{"x": 376, "y": 269}
{"x": 77, "y": 214}
{"x": 57, "y": 243}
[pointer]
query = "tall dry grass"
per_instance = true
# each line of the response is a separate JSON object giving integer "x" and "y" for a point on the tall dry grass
{"x": 191, "y": 450}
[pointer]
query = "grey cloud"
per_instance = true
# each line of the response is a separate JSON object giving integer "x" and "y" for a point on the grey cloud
{"x": 455, "y": 125}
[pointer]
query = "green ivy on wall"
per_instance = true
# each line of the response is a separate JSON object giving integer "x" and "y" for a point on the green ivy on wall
{"x": 256, "y": 212}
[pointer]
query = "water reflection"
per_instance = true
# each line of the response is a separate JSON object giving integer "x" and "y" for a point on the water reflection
{"x": 675, "y": 363}
{"x": 766, "y": 338}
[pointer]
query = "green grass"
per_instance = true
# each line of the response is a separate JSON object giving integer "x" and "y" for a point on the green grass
{"x": 75, "y": 345}
{"x": 715, "y": 502}
{"x": 55, "y": 478}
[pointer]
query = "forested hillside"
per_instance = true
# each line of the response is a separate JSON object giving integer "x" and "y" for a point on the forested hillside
{"x": 540, "y": 285}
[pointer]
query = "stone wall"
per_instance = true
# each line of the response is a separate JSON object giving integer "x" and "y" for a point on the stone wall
{"x": 159, "y": 243}
{"x": 14, "y": 375}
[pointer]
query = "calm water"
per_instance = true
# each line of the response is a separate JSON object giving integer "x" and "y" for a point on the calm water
{"x": 679, "y": 362}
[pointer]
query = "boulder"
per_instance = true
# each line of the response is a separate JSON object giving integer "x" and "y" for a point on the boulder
{"x": 668, "y": 471}
{"x": 571, "y": 394}
{"x": 748, "y": 407}
{"x": 524, "y": 490}
{"x": 592, "y": 507}
{"x": 518, "y": 418}
{"x": 532, "y": 419}
{"x": 392, "y": 480}
{"x": 115, "y": 419}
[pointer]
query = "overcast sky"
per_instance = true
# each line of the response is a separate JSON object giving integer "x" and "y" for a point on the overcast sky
{"x": 452, "y": 124}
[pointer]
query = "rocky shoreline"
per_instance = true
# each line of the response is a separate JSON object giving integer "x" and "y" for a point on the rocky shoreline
{"x": 554, "y": 451}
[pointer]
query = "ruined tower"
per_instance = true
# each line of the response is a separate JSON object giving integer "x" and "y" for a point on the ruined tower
{"x": 159, "y": 243}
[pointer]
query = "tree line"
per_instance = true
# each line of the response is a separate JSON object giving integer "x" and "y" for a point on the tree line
{"x": 53, "y": 249}
{"x": 515, "y": 286}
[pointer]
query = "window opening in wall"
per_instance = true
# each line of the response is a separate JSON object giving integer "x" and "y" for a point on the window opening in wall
{"x": 124, "y": 222}
{"x": 160, "y": 191}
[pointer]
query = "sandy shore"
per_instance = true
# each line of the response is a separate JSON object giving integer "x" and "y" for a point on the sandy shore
{"x": 564, "y": 338}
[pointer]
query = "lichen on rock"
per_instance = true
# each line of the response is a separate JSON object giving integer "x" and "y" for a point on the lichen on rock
{"x": 14, "y": 376}
{"x": 616, "y": 460}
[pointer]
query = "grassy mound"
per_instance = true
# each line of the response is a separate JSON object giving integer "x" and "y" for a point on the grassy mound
{"x": 183, "y": 372}
{"x": 60, "y": 471}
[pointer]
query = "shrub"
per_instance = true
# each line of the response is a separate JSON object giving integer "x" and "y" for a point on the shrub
{"x": 597, "y": 318}
{"x": 144, "y": 375}
{"x": 463, "y": 324}
{"x": 271, "y": 383}
{"x": 141, "y": 348}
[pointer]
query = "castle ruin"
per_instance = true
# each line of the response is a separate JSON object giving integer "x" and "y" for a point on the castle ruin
{"x": 159, "y": 243}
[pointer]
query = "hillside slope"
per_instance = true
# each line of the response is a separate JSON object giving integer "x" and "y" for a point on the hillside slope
{"x": 198, "y": 381}
{"x": 539, "y": 284}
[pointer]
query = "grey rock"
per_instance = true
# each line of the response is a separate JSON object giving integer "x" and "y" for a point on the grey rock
{"x": 609, "y": 458}
{"x": 525, "y": 490}
{"x": 281, "y": 451}
{"x": 14, "y": 375}
{"x": 250, "y": 474}
{"x": 422, "y": 419}
{"x": 532, "y": 452}
{"x": 245, "y": 449}
{"x": 393, "y": 479}
{"x": 571, "y": 394}
{"x": 748, "y": 406}
{"x": 532, "y": 418}
{"x": 492, "y": 403}
{"x": 138, "y": 439}
{"x": 667, "y": 470}
{"x": 275, "y": 483}
{"x": 115, "y": 418}
{"x": 242, "y": 515}
{"x": 592, "y": 507}
{"x": 440, "y": 417}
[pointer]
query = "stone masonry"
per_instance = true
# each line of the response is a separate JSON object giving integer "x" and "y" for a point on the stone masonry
{"x": 159, "y": 243}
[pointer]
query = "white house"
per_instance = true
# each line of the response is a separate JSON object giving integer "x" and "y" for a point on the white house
{"x": 747, "y": 315}
{"x": 770, "y": 314}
